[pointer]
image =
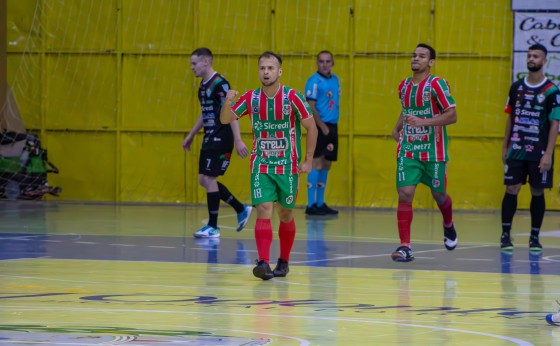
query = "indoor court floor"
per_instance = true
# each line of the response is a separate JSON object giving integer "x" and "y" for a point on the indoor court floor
{"x": 105, "y": 274}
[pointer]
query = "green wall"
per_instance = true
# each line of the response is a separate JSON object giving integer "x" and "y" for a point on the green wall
{"x": 108, "y": 85}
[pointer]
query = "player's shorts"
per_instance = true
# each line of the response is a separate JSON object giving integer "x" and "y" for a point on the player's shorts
{"x": 213, "y": 163}
{"x": 516, "y": 172}
{"x": 411, "y": 172}
{"x": 281, "y": 188}
{"x": 327, "y": 146}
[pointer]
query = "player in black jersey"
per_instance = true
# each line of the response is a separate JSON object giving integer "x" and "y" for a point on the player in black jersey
{"x": 533, "y": 107}
{"x": 217, "y": 143}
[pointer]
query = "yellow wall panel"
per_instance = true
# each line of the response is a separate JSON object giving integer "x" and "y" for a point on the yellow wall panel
{"x": 149, "y": 96}
{"x": 86, "y": 162}
{"x": 159, "y": 25}
{"x": 152, "y": 168}
{"x": 475, "y": 173}
{"x": 242, "y": 27}
{"x": 376, "y": 100}
{"x": 23, "y": 33}
{"x": 477, "y": 27}
{"x": 81, "y": 26}
{"x": 157, "y": 92}
{"x": 306, "y": 26}
{"x": 81, "y": 91}
{"x": 374, "y": 160}
{"x": 392, "y": 26}
{"x": 25, "y": 83}
{"x": 475, "y": 85}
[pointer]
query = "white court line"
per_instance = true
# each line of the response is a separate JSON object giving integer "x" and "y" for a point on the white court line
{"x": 162, "y": 247}
{"x": 397, "y": 323}
{"x": 85, "y": 242}
{"x": 125, "y": 245}
{"x": 23, "y": 237}
{"x": 343, "y": 257}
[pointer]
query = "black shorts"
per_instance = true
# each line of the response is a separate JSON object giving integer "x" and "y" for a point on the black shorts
{"x": 213, "y": 163}
{"x": 516, "y": 171}
{"x": 327, "y": 146}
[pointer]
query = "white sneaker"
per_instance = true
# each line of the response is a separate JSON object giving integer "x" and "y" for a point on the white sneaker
{"x": 207, "y": 232}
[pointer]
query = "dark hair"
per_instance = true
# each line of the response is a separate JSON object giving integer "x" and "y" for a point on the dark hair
{"x": 269, "y": 54}
{"x": 202, "y": 51}
{"x": 428, "y": 47}
{"x": 538, "y": 46}
{"x": 326, "y": 52}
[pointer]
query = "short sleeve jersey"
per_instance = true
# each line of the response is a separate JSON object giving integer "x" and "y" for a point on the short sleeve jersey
{"x": 427, "y": 99}
{"x": 325, "y": 91}
{"x": 212, "y": 94}
{"x": 276, "y": 128}
{"x": 531, "y": 108}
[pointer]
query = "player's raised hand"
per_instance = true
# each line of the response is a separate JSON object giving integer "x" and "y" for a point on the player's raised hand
{"x": 231, "y": 95}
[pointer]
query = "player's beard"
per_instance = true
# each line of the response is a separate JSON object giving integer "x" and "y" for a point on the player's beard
{"x": 268, "y": 82}
{"x": 534, "y": 67}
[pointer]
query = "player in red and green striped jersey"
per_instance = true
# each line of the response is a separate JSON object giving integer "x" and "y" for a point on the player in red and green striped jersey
{"x": 427, "y": 108}
{"x": 277, "y": 113}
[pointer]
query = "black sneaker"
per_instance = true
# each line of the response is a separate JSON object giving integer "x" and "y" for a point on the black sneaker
{"x": 263, "y": 271}
{"x": 534, "y": 245}
{"x": 327, "y": 210}
{"x": 282, "y": 268}
{"x": 402, "y": 254}
{"x": 314, "y": 210}
{"x": 450, "y": 237}
{"x": 505, "y": 242}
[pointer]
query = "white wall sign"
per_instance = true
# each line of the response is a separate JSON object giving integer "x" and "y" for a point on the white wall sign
{"x": 535, "y": 5}
{"x": 537, "y": 27}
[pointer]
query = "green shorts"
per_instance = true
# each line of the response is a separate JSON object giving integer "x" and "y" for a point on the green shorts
{"x": 411, "y": 172}
{"x": 281, "y": 188}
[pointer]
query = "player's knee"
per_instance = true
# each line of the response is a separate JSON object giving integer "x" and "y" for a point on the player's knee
{"x": 439, "y": 197}
{"x": 285, "y": 215}
{"x": 513, "y": 189}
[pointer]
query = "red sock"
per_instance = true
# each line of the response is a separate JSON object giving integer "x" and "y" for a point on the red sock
{"x": 287, "y": 234}
{"x": 263, "y": 238}
{"x": 404, "y": 220}
{"x": 446, "y": 209}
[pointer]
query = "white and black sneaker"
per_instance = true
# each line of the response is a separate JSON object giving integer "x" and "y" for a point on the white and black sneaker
{"x": 450, "y": 239}
{"x": 402, "y": 254}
